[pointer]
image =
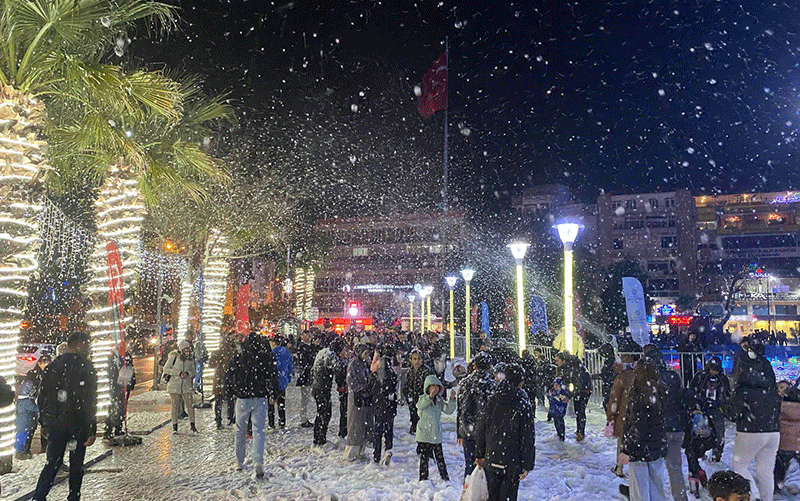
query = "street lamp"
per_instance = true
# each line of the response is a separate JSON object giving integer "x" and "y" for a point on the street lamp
{"x": 451, "y": 282}
{"x": 428, "y": 291}
{"x": 423, "y": 292}
{"x": 467, "y": 275}
{"x": 411, "y": 312}
{"x": 568, "y": 232}
{"x": 518, "y": 250}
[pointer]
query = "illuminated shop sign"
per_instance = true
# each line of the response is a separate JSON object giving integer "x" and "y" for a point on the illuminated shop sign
{"x": 383, "y": 288}
{"x": 679, "y": 320}
{"x": 789, "y": 198}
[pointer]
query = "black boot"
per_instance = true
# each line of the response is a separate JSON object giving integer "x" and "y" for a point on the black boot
{"x": 193, "y": 427}
{"x": 625, "y": 490}
{"x": 175, "y": 428}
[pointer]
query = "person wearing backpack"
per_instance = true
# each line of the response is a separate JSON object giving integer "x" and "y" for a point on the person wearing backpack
{"x": 579, "y": 384}
{"x": 712, "y": 392}
{"x": 68, "y": 413}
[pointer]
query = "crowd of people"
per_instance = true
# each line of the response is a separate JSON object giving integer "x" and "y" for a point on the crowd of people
{"x": 655, "y": 418}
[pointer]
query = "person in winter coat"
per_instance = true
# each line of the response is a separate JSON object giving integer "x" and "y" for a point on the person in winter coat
{"x": 121, "y": 381}
{"x": 755, "y": 407}
{"x": 306, "y": 351}
{"x": 644, "y": 442}
{"x": 474, "y": 393}
{"x": 343, "y": 390}
{"x": 27, "y": 410}
{"x": 430, "y": 406}
{"x": 558, "y": 397}
{"x": 285, "y": 366}
{"x": 505, "y": 444}
{"x": 617, "y": 406}
{"x": 359, "y": 403}
{"x": 180, "y": 367}
{"x": 545, "y": 373}
{"x": 68, "y": 413}
{"x": 560, "y": 344}
{"x": 220, "y": 360}
{"x": 253, "y": 378}
{"x": 711, "y": 391}
{"x": 789, "y": 447}
{"x": 413, "y": 387}
{"x": 608, "y": 371}
{"x": 691, "y": 351}
{"x": 700, "y": 437}
{"x": 323, "y": 372}
{"x": 579, "y": 384}
{"x": 676, "y": 416}
{"x": 384, "y": 406}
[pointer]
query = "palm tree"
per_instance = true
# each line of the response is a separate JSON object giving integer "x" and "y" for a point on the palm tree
{"x": 174, "y": 165}
{"x": 54, "y": 90}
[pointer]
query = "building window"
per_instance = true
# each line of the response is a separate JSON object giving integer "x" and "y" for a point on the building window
{"x": 786, "y": 309}
{"x": 360, "y": 251}
{"x": 760, "y": 310}
{"x": 617, "y": 244}
{"x": 653, "y": 203}
{"x": 669, "y": 202}
{"x": 669, "y": 242}
{"x": 615, "y": 204}
{"x": 739, "y": 310}
{"x": 435, "y": 249}
{"x": 630, "y": 204}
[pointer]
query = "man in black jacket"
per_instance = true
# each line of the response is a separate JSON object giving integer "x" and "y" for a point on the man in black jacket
{"x": 473, "y": 396}
{"x": 711, "y": 391}
{"x": 68, "y": 407}
{"x": 305, "y": 360}
{"x": 579, "y": 382}
{"x": 252, "y": 377}
{"x": 325, "y": 369}
{"x": 505, "y": 438}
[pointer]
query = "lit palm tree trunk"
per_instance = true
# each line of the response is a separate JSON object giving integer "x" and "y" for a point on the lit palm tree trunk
{"x": 21, "y": 162}
{"x": 215, "y": 276}
{"x": 120, "y": 213}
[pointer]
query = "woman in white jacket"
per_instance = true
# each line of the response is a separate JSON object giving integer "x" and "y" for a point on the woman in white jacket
{"x": 181, "y": 368}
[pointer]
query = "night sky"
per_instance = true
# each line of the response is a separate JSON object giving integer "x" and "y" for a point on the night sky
{"x": 598, "y": 95}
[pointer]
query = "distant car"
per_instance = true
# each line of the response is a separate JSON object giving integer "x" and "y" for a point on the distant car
{"x": 28, "y": 355}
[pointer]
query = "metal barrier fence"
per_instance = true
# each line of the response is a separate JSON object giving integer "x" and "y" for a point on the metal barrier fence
{"x": 685, "y": 364}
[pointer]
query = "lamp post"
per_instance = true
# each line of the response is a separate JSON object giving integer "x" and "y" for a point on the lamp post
{"x": 428, "y": 291}
{"x": 451, "y": 282}
{"x": 518, "y": 250}
{"x": 467, "y": 275}
{"x": 411, "y": 312}
{"x": 568, "y": 232}
{"x": 423, "y": 292}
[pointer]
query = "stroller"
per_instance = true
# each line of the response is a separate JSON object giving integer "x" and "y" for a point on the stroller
{"x": 699, "y": 438}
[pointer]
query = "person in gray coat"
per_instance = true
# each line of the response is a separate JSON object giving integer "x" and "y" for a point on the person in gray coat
{"x": 359, "y": 403}
{"x": 181, "y": 369}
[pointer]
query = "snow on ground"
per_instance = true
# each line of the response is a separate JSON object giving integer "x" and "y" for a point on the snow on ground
{"x": 188, "y": 467}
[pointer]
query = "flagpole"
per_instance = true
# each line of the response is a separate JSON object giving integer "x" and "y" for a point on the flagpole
{"x": 446, "y": 174}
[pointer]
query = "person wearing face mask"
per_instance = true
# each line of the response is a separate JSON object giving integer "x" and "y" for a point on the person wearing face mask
{"x": 359, "y": 403}
{"x": 755, "y": 407}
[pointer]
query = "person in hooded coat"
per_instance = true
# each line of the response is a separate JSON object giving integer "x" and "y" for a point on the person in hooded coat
{"x": 323, "y": 372}
{"x": 253, "y": 378}
{"x": 644, "y": 442}
{"x": 359, "y": 403}
{"x": 711, "y": 391}
{"x": 430, "y": 406}
{"x": 474, "y": 393}
{"x": 413, "y": 386}
{"x": 505, "y": 440}
{"x": 755, "y": 407}
{"x": 120, "y": 389}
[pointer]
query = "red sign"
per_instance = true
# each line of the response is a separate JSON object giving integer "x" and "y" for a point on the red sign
{"x": 680, "y": 320}
{"x": 116, "y": 296}
{"x": 243, "y": 310}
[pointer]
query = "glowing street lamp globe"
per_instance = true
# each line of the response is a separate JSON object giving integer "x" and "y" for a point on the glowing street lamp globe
{"x": 467, "y": 273}
{"x": 451, "y": 280}
{"x": 518, "y": 249}
{"x": 568, "y": 232}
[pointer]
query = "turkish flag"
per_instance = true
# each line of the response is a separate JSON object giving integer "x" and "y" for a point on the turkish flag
{"x": 434, "y": 89}
{"x": 243, "y": 310}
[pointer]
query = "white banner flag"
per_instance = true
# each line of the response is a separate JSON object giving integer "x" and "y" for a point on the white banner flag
{"x": 634, "y": 305}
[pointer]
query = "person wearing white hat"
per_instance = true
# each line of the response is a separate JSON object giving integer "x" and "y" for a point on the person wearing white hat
{"x": 181, "y": 368}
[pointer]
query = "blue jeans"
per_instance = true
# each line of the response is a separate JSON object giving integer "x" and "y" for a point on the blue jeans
{"x": 246, "y": 409}
{"x": 198, "y": 375}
